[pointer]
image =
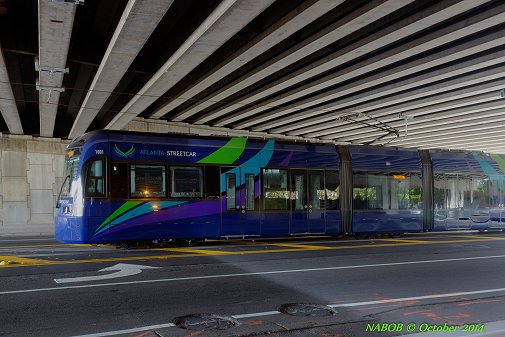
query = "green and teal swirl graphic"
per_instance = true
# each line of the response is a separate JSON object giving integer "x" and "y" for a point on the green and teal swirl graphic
{"x": 226, "y": 154}
{"x": 125, "y": 154}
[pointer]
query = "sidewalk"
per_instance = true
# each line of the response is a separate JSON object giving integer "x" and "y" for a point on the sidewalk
{"x": 26, "y": 230}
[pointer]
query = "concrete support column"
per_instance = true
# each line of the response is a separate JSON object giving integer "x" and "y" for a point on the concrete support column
{"x": 31, "y": 172}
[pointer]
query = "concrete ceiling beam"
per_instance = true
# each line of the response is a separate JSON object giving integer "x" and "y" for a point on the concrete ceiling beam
{"x": 488, "y": 149}
{"x": 453, "y": 84}
{"x": 457, "y": 129}
{"x": 379, "y": 96}
{"x": 375, "y": 41}
{"x": 139, "y": 20}
{"x": 428, "y": 106}
{"x": 298, "y": 119}
{"x": 224, "y": 22}
{"x": 372, "y": 11}
{"x": 461, "y": 141}
{"x": 8, "y": 106}
{"x": 297, "y": 19}
{"x": 442, "y": 123}
{"x": 431, "y": 118}
{"x": 56, "y": 20}
{"x": 429, "y": 139}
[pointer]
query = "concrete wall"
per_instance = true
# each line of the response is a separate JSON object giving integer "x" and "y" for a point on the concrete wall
{"x": 31, "y": 174}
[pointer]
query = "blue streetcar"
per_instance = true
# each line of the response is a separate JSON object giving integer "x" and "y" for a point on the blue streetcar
{"x": 126, "y": 186}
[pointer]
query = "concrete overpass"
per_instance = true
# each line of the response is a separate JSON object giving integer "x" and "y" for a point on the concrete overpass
{"x": 405, "y": 73}
{"x": 408, "y": 73}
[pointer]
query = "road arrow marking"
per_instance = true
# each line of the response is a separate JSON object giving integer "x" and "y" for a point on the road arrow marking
{"x": 123, "y": 269}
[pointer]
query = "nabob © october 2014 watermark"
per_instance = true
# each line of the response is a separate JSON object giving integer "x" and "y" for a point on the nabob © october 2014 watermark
{"x": 423, "y": 327}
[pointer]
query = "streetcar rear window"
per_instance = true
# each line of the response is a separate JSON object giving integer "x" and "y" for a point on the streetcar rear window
{"x": 147, "y": 181}
{"x": 186, "y": 182}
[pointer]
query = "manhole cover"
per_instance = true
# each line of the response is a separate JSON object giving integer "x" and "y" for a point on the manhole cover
{"x": 307, "y": 309}
{"x": 206, "y": 322}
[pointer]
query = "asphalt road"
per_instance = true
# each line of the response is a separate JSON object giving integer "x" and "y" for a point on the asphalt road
{"x": 417, "y": 284}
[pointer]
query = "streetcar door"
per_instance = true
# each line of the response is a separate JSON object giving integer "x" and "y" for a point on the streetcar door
{"x": 299, "y": 204}
{"x": 466, "y": 202}
{"x": 440, "y": 202}
{"x": 316, "y": 202}
{"x": 307, "y": 202}
{"x": 239, "y": 213}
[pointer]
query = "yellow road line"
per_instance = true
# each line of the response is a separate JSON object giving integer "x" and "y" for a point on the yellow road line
{"x": 196, "y": 251}
{"x": 243, "y": 242}
{"x": 299, "y": 246}
{"x": 468, "y": 240}
{"x": 47, "y": 245}
{"x": 162, "y": 257}
{"x": 107, "y": 259}
{"x": 404, "y": 240}
{"x": 23, "y": 260}
{"x": 199, "y": 252}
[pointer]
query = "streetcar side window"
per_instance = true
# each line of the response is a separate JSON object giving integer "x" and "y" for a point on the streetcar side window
{"x": 95, "y": 180}
{"x": 186, "y": 182}
{"x": 405, "y": 190}
{"x": 370, "y": 191}
{"x": 147, "y": 181}
{"x": 275, "y": 189}
{"x": 387, "y": 190}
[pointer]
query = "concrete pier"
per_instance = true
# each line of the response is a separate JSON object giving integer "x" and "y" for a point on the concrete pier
{"x": 31, "y": 174}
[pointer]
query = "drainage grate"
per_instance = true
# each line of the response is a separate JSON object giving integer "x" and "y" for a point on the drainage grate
{"x": 204, "y": 322}
{"x": 307, "y": 309}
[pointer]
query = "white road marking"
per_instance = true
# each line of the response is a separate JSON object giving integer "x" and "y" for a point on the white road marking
{"x": 120, "y": 332}
{"x": 190, "y": 278}
{"x": 417, "y": 298}
{"x": 256, "y": 314}
{"x": 123, "y": 269}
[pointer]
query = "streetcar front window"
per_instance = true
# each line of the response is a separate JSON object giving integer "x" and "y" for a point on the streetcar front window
{"x": 70, "y": 172}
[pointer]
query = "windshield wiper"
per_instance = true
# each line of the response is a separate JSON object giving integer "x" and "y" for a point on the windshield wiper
{"x": 61, "y": 189}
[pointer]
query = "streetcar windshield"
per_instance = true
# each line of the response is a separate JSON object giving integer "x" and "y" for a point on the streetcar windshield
{"x": 70, "y": 172}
